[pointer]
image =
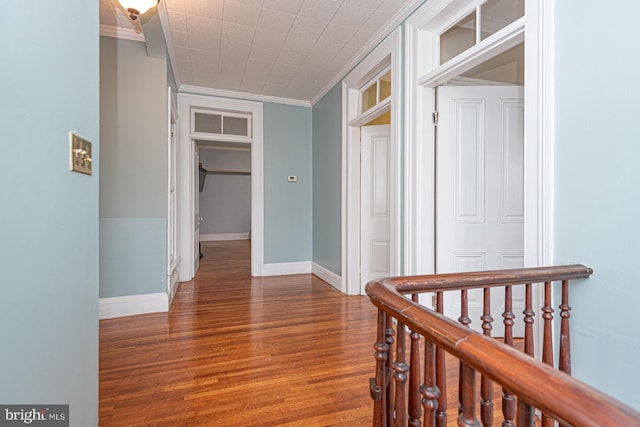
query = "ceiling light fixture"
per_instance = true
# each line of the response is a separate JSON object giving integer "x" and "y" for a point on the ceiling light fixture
{"x": 138, "y": 7}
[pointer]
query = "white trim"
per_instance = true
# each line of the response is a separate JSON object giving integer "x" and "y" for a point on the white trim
{"x": 421, "y": 32}
{"x": 199, "y": 90}
{"x": 174, "y": 282}
{"x": 539, "y": 90}
{"x": 186, "y": 176}
{"x": 382, "y": 33}
{"x": 386, "y": 53}
{"x": 166, "y": 32}
{"x": 132, "y": 305}
{"x": 223, "y": 236}
{"x": 470, "y": 81}
{"x": 546, "y": 60}
{"x": 211, "y": 147}
{"x": 372, "y": 113}
{"x": 326, "y": 275}
{"x": 173, "y": 278}
{"x": 419, "y": 174}
{"x": 286, "y": 268}
{"x": 172, "y": 224}
{"x": 121, "y": 33}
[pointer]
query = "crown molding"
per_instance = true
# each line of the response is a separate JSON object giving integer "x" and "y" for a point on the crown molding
{"x": 199, "y": 90}
{"x": 382, "y": 33}
{"x": 121, "y": 33}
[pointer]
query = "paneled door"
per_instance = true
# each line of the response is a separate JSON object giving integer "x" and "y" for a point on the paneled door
{"x": 375, "y": 208}
{"x": 479, "y": 191}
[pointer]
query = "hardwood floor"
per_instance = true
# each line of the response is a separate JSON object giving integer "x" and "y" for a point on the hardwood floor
{"x": 241, "y": 351}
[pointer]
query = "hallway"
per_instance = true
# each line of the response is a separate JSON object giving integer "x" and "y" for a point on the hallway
{"x": 241, "y": 351}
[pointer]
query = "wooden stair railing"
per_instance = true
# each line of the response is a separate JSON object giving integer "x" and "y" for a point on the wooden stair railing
{"x": 408, "y": 391}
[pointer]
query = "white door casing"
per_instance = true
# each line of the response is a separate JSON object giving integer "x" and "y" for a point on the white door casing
{"x": 421, "y": 36}
{"x": 479, "y": 191}
{"x": 196, "y": 210}
{"x": 173, "y": 261}
{"x": 385, "y": 55}
{"x": 187, "y": 185}
{"x": 375, "y": 205}
{"x": 422, "y": 74}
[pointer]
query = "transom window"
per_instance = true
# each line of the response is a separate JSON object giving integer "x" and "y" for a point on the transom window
{"x": 484, "y": 20}
{"x": 375, "y": 91}
{"x": 221, "y": 123}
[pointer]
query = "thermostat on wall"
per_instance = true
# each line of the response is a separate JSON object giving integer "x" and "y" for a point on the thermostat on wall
{"x": 292, "y": 178}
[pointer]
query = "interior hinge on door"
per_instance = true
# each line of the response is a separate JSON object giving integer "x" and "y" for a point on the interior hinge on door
{"x": 434, "y": 117}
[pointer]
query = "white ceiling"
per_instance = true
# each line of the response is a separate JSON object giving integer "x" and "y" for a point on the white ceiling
{"x": 283, "y": 48}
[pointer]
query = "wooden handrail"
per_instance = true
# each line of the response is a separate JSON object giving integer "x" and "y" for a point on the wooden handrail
{"x": 481, "y": 279}
{"x": 567, "y": 399}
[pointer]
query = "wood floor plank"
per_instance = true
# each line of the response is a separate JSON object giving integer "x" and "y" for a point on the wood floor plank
{"x": 241, "y": 351}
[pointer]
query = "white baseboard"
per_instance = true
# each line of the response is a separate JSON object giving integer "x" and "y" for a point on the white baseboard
{"x": 131, "y": 305}
{"x": 285, "y": 268}
{"x": 223, "y": 236}
{"x": 328, "y": 276}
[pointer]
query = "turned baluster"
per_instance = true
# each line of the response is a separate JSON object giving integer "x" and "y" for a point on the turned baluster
{"x": 464, "y": 309}
{"x": 400, "y": 369}
{"x": 565, "y": 342}
{"x": 528, "y": 320}
{"x": 467, "y": 416}
{"x": 508, "y": 400}
{"x": 525, "y": 411}
{"x": 547, "y": 345}
{"x": 465, "y": 321}
{"x": 389, "y": 333}
{"x": 429, "y": 390}
{"x": 378, "y": 384}
{"x": 564, "y": 359}
{"x": 415, "y": 408}
{"x": 441, "y": 373}
{"x": 486, "y": 385}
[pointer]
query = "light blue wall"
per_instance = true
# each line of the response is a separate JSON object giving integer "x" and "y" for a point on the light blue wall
{"x": 287, "y": 205}
{"x": 49, "y": 215}
{"x": 327, "y": 173}
{"x": 133, "y": 179}
{"x": 225, "y": 200}
{"x": 132, "y": 256}
{"x": 597, "y": 181}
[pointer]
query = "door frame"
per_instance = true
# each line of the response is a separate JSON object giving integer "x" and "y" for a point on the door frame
{"x": 187, "y": 187}
{"x": 173, "y": 263}
{"x": 386, "y": 54}
{"x": 422, "y": 74}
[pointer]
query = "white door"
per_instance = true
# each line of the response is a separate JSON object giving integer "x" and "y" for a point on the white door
{"x": 172, "y": 261}
{"x": 196, "y": 210}
{"x": 479, "y": 191}
{"x": 375, "y": 204}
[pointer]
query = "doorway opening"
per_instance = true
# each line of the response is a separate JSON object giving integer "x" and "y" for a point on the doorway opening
{"x": 218, "y": 125}
{"x": 225, "y": 191}
{"x": 477, "y": 31}
{"x": 480, "y": 178}
{"x": 370, "y": 168}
